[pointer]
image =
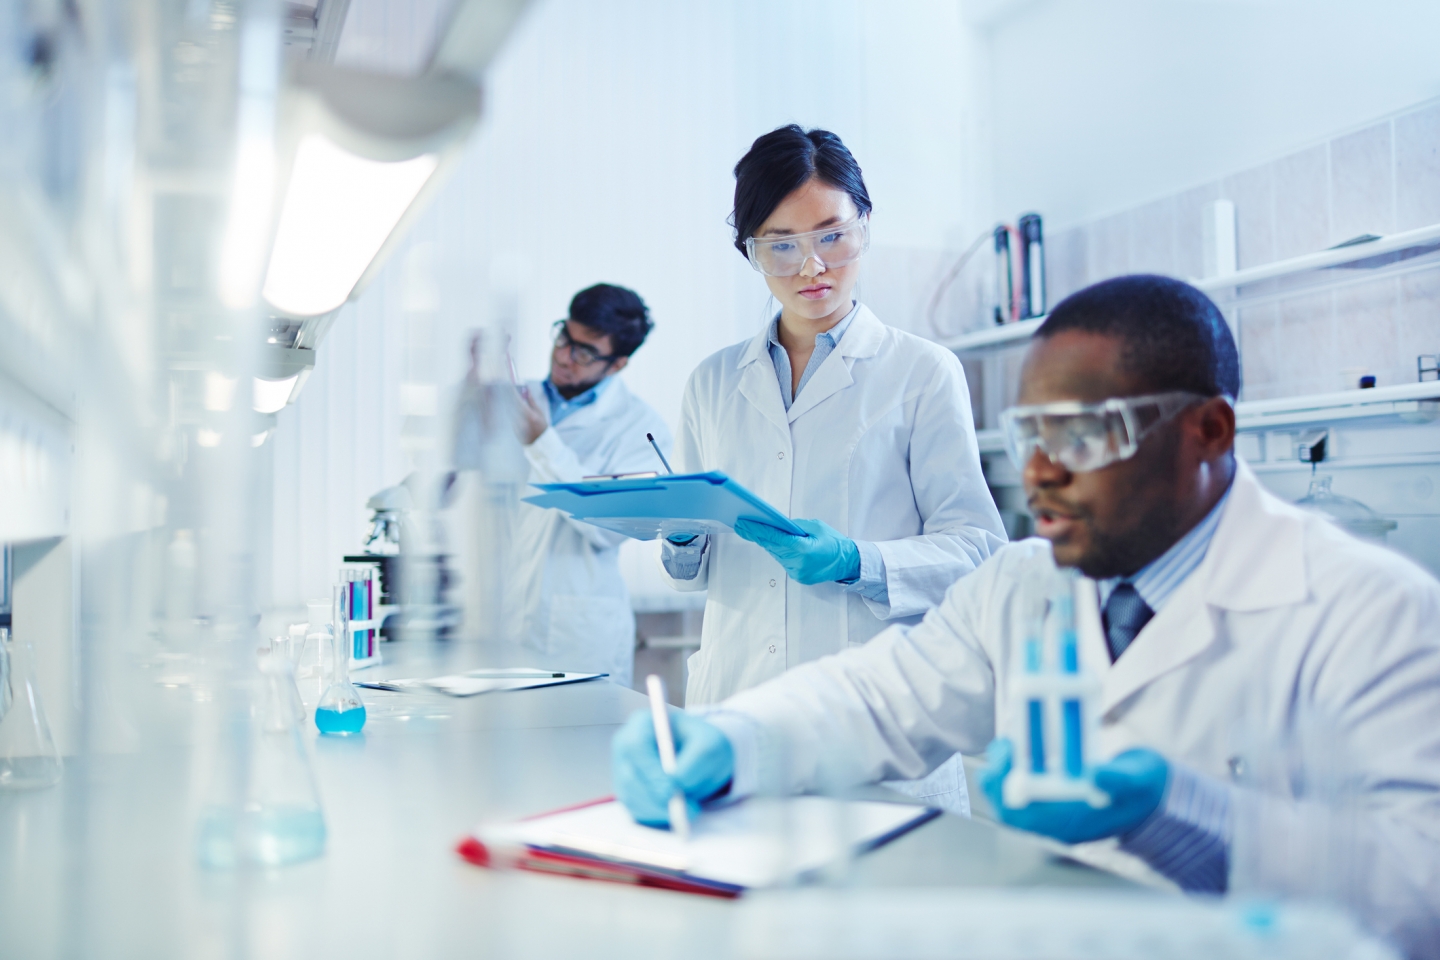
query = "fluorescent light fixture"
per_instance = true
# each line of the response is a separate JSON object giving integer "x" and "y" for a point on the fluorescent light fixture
{"x": 219, "y": 391}
{"x": 271, "y": 395}
{"x": 339, "y": 210}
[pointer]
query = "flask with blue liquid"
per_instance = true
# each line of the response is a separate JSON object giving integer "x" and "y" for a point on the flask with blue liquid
{"x": 340, "y": 711}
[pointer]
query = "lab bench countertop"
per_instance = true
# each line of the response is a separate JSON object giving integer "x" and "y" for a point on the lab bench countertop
{"x": 103, "y": 865}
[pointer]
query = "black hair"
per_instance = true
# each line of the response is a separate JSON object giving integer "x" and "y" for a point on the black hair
{"x": 1175, "y": 337}
{"x": 782, "y": 161}
{"x": 617, "y": 312}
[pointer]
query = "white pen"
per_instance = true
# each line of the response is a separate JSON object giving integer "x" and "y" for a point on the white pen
{"x": 679, "y": 816}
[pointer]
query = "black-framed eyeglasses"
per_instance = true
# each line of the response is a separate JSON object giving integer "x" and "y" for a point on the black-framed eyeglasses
{"x": 581, "y": 353}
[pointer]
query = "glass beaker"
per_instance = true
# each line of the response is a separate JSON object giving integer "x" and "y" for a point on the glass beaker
{"x": 28, "y": 756}
{"x": 340, "y": 711}
{"x": 278, "y": 819}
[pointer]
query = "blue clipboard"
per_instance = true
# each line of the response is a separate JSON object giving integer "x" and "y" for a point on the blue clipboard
{"x": 648, "y": 507}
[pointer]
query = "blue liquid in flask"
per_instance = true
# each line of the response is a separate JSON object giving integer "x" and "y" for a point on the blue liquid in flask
{"x": 340, "y": 722}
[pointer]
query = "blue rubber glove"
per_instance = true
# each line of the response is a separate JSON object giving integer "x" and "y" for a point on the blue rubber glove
{"x": 704, "y": 765}
{"x": 825, "y": 555}
{"x": 1135, "y": 780}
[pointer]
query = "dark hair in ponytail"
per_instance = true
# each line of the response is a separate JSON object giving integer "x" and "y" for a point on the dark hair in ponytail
{"x": 781, "y": 162}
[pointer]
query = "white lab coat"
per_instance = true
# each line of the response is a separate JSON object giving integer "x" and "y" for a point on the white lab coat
{"x": 575, "y": 610}
{"x": 1286, "y": 617}
{"x": 880, "y": 445}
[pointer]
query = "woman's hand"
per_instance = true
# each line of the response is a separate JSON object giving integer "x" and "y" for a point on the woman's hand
{"x": 824, "y": 554}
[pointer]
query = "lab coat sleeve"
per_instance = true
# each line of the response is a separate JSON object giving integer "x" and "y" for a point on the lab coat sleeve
{"x": 894, "y": 708}
{"x": 552, "y": 461}
{"x": 1368, "y": 735}
{"x": 960, "y": 526}
{"x": 687, "y": 459}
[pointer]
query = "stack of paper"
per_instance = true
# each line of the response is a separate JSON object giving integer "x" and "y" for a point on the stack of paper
{"x": 747, "y": 845}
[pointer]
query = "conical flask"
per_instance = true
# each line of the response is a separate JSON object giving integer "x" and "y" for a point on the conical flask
{"x": 278, "y": 819}
{"x": 340, "y": 711}
{"x": 28, "y": 758}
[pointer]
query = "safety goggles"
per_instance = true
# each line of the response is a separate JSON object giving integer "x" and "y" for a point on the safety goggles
{"x": 832, "y": 246}
{"x": 581, "y": 353}
{"x": 1088, "y": 436}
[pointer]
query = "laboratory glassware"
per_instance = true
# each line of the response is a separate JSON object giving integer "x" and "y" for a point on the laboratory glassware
{"x": 340, "y": 711}
{"x": 1348, "y": 513}
{"x": 1055, "y": 700}
{"x": 279, "y": 819}
{"x": 28, "y": 756}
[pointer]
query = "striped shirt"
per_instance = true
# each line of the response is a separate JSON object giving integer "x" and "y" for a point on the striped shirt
{"x": 1186, "y": 838}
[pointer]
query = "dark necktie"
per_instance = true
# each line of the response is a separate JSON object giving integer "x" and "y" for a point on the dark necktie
{"x": 1126, "y": 614}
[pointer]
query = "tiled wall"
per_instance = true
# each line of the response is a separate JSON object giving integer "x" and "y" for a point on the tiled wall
{"x": 1381, "y": 179}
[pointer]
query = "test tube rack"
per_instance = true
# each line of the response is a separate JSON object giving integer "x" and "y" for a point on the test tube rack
{"x": 362, "y": 600}
{"x": 1055, "y": 708}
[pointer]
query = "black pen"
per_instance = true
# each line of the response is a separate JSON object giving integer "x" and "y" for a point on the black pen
{"x": 651, "y": 438}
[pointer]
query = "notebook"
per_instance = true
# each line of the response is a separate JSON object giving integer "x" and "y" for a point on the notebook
{"x": 742, "y": 846}
{"x": 485, "y": 681}
{"x": 647, "y": 507}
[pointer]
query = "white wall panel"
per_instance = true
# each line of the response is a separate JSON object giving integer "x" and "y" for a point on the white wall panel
{"x": 605, "y": 153}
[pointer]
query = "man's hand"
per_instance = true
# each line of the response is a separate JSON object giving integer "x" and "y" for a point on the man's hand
{"x": 704, "y": 764}
{"x": 824, "y": 555}
{"x": 532, "y": 420}
{"x": 1135, "y": 781}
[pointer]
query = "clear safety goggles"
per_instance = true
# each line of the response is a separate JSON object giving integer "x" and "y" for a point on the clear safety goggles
{"x": 832, "y": 246}
{"x": 1088, "y": 436}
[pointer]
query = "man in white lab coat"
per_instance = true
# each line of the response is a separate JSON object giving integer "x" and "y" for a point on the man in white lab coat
{"x": 582, "y": 421}
{"x": 1236, "y": 629}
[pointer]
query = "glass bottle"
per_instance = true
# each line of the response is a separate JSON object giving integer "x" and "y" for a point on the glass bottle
{"x": 28, "y": 756}
{"x": 340, "y": 712}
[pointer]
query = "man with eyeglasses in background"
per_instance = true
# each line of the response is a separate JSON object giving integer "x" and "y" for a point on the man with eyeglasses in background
{"x": 581, "y": 421}
{"x": 1269, "y": 703}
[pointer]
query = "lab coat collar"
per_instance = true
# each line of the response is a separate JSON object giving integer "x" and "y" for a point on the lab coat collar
{"x": 862, "y": 339}
{"x": 758, "y": 383}
{"x": 607, "y": 403}
{"x": 1256, "y": 560}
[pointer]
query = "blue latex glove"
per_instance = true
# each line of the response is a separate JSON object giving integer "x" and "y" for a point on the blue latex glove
{"x": 1135, "y": 780}
{"x": 704, "y": 765}
{"x": 825, "y": 555}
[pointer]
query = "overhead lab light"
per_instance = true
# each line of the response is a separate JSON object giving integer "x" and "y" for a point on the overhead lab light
{"x": 366, "y": 152}
{"x": 339, "y": 209}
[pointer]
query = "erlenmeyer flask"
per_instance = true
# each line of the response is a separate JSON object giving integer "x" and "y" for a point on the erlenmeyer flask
{"x": 340, "y": 711}
{"x": 279, "y": 819}
{"x": 28, "y": 758}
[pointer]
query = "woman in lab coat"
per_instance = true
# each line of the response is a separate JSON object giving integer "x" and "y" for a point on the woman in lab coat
{"x": 863, "y": 430}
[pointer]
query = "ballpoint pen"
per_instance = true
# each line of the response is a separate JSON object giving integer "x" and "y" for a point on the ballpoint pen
{"x": 651, "y": 438}
{"x": 679, "y": 816}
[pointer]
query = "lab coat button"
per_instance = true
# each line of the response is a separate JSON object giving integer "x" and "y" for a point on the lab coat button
{"x": 772, "y": 648}
{"x": 772, "y": 583}
{"x": 780, "y": 455}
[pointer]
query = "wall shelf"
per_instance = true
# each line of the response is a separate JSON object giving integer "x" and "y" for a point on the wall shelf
{"x": 991, "y": 338}
{"x": 1370, "y": 255}
{"x": 1406, "y": 248}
